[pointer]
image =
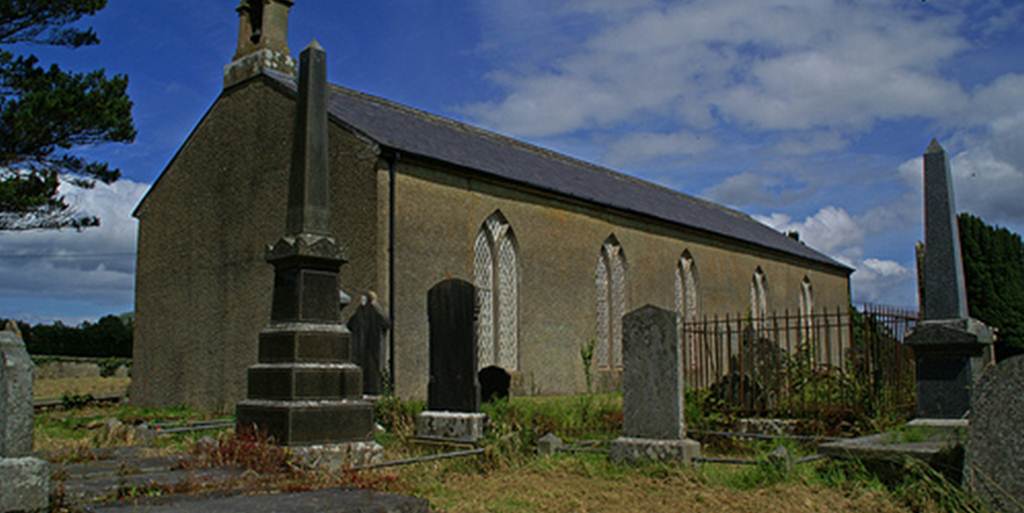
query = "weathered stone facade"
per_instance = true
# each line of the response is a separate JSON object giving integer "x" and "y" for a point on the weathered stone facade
{"x": 203, "y": 289}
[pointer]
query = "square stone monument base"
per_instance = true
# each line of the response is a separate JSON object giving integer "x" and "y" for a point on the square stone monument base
{"x": 950, "y": 356}
{"x": 25, "y": 483}
{"x": 631, "y": 450}
{"x": 451, "y": 426}
{"x": 340, "y": 456}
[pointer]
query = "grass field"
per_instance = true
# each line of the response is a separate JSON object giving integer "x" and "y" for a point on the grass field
{"x": 56, "y": 388}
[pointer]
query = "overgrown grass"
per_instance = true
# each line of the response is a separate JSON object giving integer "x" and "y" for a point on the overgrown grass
{"x": 70, "y": 435}
{"x": 511, "y": 477}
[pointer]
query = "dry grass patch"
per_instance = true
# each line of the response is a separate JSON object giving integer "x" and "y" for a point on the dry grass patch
{"x": 589, "y": 484}
{"x": 57, "y": 388}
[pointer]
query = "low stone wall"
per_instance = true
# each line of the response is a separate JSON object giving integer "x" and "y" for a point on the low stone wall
{"x": 49, "y": 367}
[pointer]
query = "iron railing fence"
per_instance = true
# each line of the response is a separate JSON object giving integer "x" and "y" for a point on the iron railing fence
{"x": 802, "y": 364}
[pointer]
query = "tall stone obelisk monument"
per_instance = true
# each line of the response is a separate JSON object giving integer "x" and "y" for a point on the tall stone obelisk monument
{"x": 305, "y": 391}
{"x": 950, "y": 349}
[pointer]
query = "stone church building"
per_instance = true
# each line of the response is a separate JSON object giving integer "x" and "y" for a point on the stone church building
{"x": 559, "y": 249}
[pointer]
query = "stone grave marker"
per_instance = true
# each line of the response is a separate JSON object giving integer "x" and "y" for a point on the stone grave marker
{"x": 950, "y": 348}
{"x": 24, "y": 480}
{"x": 994, "y": 457}
{"x": 369, "y": 326}
{"x": 653, "y": 424}
{"x": 305, "y": 391}
{"x": 453, "y": 392}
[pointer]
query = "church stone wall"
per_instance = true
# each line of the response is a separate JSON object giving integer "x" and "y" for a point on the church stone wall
{"x": 202, "y": 286}
{"x": 439, "y": 213}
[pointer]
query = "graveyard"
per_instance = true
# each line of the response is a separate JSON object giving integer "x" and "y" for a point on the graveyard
{"x": 825, "y": 407}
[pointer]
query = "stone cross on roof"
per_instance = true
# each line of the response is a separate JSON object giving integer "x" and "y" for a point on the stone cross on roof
{"x": 945, "y": 294}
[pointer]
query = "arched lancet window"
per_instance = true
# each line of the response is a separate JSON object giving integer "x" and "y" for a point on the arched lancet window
{"x": 496, "y": 276}
{"x": 610, "y": 278}
{"x": 806, "y": 309}
{"x": 758, "y": 299}
{"x": 687, "y": 306}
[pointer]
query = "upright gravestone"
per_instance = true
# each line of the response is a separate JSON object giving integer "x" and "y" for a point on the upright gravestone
{"x": 950, "y": 349}
{"x": 305, "y": 391}
{"x": 369, "y": 326}
{"x": 652, "y": 381}
{"x": 994, "y": 466}
{"x": 24, "y": 480}
{"x": 453, "y": 392}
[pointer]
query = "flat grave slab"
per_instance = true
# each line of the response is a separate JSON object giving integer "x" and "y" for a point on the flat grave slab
{"x": 350, "y": 501}
{"x": 938, "y": 442}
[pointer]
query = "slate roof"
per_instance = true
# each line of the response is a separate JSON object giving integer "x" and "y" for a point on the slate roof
{"x": 410, "y": 130}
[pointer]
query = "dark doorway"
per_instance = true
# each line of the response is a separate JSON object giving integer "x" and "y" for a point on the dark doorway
{"x": 494, "y": 383}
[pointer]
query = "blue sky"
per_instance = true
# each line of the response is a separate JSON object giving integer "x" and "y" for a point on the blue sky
{"x": 807, "y": 114}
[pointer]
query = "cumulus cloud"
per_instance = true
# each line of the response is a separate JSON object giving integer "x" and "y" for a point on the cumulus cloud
{"x": 779, "y": 65}
{"x": 92, "y": 269}
{"x": 842, "y": 236}
{"x": 884, "y": 282}
{"x": 831, "y": 230}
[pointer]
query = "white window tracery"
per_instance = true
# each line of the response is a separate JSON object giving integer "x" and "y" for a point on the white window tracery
{"x": 610, "y": 282}
{"x": 758, "y": 299}
{"x": 687, "y": 307}
{"x": 496, "y": 276}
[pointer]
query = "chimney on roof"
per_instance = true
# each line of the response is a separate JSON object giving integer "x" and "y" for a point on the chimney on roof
{"x": 262, "y": 40}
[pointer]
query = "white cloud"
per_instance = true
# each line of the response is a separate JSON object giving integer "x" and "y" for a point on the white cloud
{"x": 779, "y": 65}
{"x": 831, "y": 230}
{"x": 836, "y": 233}
{"x": 883, "y": 281}
{"x": 647, "y": 146}
{"x": 94, "y": 266}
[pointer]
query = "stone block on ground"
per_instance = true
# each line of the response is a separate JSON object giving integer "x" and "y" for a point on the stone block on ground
{"x": 633, "y": 450}
{"x": 451, "y": 426}
{"x": 25, "y": 483}
{"x": 994, "y": 459}
{"x": 16, "y": 423}
{"x": 549, "y": 444}
{"x": 339, "y": 456}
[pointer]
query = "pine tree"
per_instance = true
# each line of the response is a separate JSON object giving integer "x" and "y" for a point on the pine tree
{"x": 45, "y": 112}
{"x": 994, "y": 271}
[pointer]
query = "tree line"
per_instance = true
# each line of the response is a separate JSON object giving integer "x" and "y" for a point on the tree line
{"x": 111, "y": 336}
{"x": 994, "y": 271}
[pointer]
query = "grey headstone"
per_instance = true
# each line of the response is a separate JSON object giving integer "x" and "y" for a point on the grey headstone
{"x": 994, "y": 466}
{"x": 15, "y": 395}
{"x": 453, "y": 382}
{"x": 944, "y": 290}
{"x": 652, "y": 376}
{"x": 369, "y": 326}
{"x": 549, "y": 444}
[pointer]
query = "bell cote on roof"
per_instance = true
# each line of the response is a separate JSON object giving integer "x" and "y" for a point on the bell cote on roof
{"x": 262, "y": 40}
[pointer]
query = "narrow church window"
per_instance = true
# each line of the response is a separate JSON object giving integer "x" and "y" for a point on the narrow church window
{"x": 687, "y": 309}
{"x": 610, "y": 279}
{"x": 496, "y": 276}
{"x": 806, "y": 309}
{"x": 758, "y": 299}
